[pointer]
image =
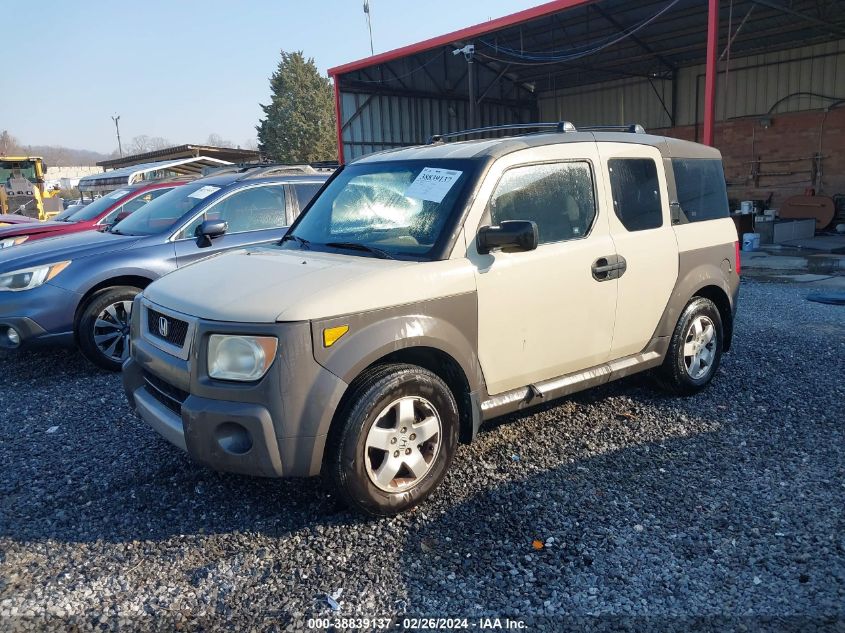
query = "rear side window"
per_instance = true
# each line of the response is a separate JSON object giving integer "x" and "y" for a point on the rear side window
{"x": 558, "y": 197}
{"x": 636, "y": 193}
{"x": 304, "y": 192}
{"x": 702, "y": 194}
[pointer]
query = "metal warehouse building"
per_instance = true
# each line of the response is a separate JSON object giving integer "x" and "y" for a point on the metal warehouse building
{"x": 759, "y": 79}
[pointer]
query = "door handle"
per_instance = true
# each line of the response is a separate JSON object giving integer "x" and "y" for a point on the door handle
{"x": 609, "y": 267}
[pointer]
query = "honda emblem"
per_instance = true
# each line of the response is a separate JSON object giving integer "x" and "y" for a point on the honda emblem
{"x": 163, "y": 326}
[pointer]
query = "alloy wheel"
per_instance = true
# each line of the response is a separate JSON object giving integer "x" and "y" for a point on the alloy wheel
{"x": 700, "y": 347}
{"x": 111, "y": 330}
{"x": 402, "y": 444}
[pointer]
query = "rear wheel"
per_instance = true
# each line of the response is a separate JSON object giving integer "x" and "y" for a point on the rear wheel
{"x": 695, "y": 349}
{"x": 395, "y": 441}
{"x": 103, "y": 329}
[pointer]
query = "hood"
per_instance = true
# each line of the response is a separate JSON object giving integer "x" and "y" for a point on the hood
{"x": 31, "y": 228}
{"x": 74, "y": 246}
{"x": 272, "y": 284}
{"x": 7, "y": 219}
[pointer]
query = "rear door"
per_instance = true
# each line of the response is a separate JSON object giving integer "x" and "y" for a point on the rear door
{"x": 255, "y": 214}
{"x": 641, "y": 228}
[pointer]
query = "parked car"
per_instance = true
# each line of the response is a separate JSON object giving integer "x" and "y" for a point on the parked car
{"x": 11, "y": 218}
{"x": 94, "y": 216}
{"x": 428, "y": 289}
{"x": 78, "y": 289}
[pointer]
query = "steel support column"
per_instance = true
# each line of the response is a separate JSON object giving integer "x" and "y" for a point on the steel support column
{"x": 710, "y": 73}
{"x": 338, "y": 123}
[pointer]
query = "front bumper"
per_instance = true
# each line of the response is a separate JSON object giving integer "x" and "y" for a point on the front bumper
{"x": 41, "y": 316}
{"x": 276, "y": 427}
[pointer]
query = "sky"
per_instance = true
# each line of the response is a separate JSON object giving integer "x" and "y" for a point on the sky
{"x": 185, "y": 69}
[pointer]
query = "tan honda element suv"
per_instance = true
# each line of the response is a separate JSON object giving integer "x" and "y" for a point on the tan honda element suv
{"x": 428, "y": 289}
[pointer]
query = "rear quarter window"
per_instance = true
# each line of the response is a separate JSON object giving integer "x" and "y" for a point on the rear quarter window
{"x": 702, "y": 194}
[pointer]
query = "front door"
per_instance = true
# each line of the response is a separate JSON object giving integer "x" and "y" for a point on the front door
{"x": 642, "y": 231}
{"x": 545, "y": 313}
{"x": 255, "y": 215}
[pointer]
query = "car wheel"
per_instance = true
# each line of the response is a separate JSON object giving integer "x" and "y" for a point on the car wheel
{"x": 395, "y": 440}
{"x": 103, "y": 328}
{"x": 695, "y": 348}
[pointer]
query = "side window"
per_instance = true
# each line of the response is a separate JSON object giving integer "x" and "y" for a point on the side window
{"x": 702, "y": 194}
{"x": 250, "y": 209}
{"x": 636, "y": 193}
{"x": 127, "y": 208}
{"x": 558, "y": 197}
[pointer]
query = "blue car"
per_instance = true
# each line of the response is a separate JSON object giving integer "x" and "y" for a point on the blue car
{"x": 78, "y": 289}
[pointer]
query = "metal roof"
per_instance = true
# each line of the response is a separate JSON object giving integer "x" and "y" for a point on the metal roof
{"x": 228, "y": 154}
{"x": 579, "y": 42}
{"x": 115, "y": 178}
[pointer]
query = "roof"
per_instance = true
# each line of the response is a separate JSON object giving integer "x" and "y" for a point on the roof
{"x": 579, "y": 42}
{"x": 494, "y": 148}
{"x": 227, "y": 154}
{"x": 128, "y": 175}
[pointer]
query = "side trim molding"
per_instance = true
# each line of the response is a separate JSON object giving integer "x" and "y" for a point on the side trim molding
{"x": 554, "y": 388}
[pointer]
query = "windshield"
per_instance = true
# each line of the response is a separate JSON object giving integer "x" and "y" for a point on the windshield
{"x": 16, "y": 169}
{"x": 159, "y": 215}
{"x": 64, "y": 215}
{"x": 93, "y": 210}
{"x": 401, "y": 209}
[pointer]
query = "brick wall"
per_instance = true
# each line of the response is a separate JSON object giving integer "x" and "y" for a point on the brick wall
{"x": 791, "y": 137}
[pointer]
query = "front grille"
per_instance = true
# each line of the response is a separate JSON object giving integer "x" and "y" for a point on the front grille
{"x": 168, "y": 395}
{"x": 166, "y": 328}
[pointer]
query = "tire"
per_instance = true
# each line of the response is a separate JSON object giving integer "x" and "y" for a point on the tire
{"x": 360, "y": 472}
{"x": 683, "y": 371}
{"x": 105, "y": 322}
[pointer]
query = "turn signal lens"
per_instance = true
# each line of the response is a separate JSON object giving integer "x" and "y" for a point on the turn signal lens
{"x": 331, "y": 335}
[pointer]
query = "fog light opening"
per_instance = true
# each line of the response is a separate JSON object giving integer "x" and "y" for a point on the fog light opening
{"x": 233, "y": 438}
{"x": 12, "y": 337}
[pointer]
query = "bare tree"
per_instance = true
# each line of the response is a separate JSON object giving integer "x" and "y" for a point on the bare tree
{"x": 143, "y": 143}
{"x": 215, "y": 140}
{"x": 8, "y": 144}
{"x": 251, "y": 144}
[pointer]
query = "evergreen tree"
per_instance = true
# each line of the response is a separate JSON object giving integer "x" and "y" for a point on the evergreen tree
{"x": 299, "y": 122}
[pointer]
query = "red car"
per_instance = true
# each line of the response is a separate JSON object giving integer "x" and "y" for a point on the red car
{"x": 99, "y": 214}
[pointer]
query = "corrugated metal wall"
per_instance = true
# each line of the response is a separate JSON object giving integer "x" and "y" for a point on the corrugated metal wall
{"x": 372, "y": 123}
{"x": 754, "y": 85}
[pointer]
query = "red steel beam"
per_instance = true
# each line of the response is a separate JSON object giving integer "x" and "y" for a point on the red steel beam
{"x": 460, "y": 35}
{"x": 710, "y": 73}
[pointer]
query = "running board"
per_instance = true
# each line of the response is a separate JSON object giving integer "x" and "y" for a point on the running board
{"x": 554, "y": 388}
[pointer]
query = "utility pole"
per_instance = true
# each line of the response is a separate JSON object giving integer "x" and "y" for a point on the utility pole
{"x": 116, "y": 118}
{"x": 369, "y": 24}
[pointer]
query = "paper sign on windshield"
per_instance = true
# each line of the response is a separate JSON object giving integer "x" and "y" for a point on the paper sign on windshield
{"x": 203, "y": 192}
{"x": 432, "y": 184}
{"x": 118, "y": 194}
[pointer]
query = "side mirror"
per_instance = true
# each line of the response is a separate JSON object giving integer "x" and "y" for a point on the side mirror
{"x": 212, "y": 228}
{"x": 518, "y": 235}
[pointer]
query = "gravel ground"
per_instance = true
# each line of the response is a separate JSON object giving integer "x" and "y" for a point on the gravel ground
{"x": 726, "y": 504}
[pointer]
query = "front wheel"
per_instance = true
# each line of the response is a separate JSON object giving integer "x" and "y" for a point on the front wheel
{"x": 695, "y": 348}
{"x": 395, "y": 439}
{"x": 103, "y": 328}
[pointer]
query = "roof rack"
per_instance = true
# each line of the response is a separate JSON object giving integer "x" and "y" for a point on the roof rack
{"x": 257, "y": 170}
{"x": 560, "y": 126}
{"x": 631, "y": 128}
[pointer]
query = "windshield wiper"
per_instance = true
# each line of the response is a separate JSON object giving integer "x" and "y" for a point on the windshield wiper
{"x": 362, "y": 247}
{"x": 302, "y": 241}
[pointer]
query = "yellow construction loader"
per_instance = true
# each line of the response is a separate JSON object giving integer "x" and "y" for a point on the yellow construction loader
{"x": 22, "y": 189}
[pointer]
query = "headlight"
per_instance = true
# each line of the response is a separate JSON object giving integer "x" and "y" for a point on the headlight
{"x": 28, "y": 278}
{"x": 241, "y": 358}
{"x": 13, "y": 241}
